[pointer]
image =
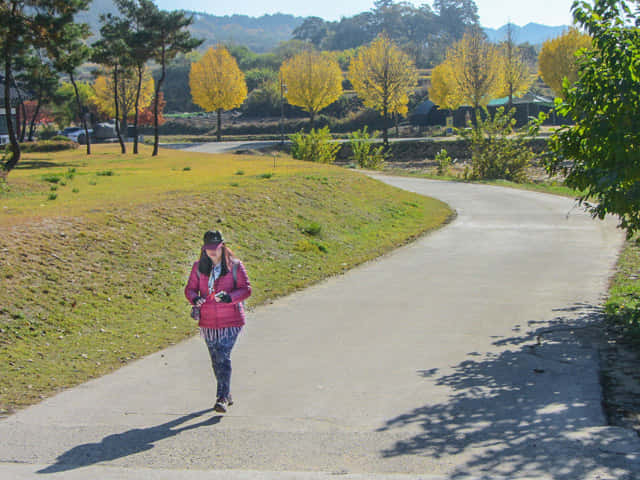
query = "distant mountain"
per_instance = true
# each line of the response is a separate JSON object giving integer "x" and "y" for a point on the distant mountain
{"x": 263, "y": 34}
{"x": 260, "y": 34}
{"x": 532, "y": 33}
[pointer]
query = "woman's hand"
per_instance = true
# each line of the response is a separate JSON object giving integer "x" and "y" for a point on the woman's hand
{"x": 223, "y": 297}
{"x": 199, "y": 301}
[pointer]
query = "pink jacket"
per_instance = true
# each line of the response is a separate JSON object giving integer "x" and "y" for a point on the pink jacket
{"x": 217, "y": 314}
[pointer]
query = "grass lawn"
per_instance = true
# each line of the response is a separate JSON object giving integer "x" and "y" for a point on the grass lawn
{"x": 623, "y": 304}
{"x": 95, "y": 251}
{"x": 552, "y": 187}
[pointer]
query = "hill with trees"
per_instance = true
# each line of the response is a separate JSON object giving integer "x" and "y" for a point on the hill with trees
{"x": 403, "y": 22}
{"x": 260, "y": 34}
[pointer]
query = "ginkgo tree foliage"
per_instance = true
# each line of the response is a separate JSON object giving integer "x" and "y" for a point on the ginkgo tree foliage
{"x": 217, "y": 83}
{"x": 516, "y": 74}
{"x": 384, "y": 77}
{"x": 127, "y": 91}
{"x": 313, "y": 81}
{"x": 472, "y": 74}
{"x": 557, "y": 59}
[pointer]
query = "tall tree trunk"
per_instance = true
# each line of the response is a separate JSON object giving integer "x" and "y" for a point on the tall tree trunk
{"x": 83, "y": 117}
{"x": 219, "y": 132}
{"x": 23, "y": 120}
{"x": 156, "y": 137}
{"x": 123, "y": 148}
{"x": 311, "y": 120}
{"x": 34, "y": 118}
{"x": 135, "y": 118}
{"x": 18, "y": 122}
{"x": 11, "y": 162}
{"x": 385, "y": 121}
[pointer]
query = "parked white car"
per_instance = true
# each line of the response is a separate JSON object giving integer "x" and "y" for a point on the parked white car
{"x": 75, "y": 133}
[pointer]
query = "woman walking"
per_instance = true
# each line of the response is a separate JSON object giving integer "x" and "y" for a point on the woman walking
{"x": 217, "y": 286}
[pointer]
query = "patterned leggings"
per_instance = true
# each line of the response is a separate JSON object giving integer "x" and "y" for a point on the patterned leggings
{"x": 220, "y": 342}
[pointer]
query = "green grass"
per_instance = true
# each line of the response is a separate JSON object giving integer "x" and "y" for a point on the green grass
{"x": 552, "y": 187}
{"x": 94, "y": 279}
{"x": 623, "y": 304}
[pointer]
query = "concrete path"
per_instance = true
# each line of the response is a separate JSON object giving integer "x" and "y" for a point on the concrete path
{"x": 469, "y": 354}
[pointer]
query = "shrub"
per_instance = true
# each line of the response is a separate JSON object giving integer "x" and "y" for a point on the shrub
{"x": 444, "y": 162}
{"x": 48, "y": 146}
{"x": 496, "y": 152}
{"x": 52, "y": 177}
{"x": 316, "y": 146}
{"x": 106, "y": 173}
{"x": 311, "y": 228}
{"x": 47, "y": 132}
{"x": 365, "y": 154}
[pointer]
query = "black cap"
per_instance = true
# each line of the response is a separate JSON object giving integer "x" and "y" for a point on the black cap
{"x": 213, "y": 238}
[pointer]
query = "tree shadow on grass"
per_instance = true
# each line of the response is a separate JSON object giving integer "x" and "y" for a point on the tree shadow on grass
{"x": 532, "y": 408}
{"x": 124, "y": 444}
{"x": 36, "y": 164}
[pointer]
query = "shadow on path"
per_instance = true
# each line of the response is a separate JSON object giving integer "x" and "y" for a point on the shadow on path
{"x": 531, "y": 409}
{"x": 124, "y": 444}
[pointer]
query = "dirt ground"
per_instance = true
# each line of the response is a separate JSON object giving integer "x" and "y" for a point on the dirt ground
{"x": 620, "y": 377}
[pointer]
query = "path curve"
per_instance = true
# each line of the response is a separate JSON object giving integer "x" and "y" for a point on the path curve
{"x": 468, "y": 352}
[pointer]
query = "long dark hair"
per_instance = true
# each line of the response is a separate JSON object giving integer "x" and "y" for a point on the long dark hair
{"x": 205, "y": 264}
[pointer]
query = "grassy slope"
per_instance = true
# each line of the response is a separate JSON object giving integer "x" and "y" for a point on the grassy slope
{"x": 94, "y": 278}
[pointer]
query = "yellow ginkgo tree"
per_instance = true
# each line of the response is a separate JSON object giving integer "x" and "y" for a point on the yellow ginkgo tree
{"x": 384, "y": 77}
{"x": 313, "y": 80}
{"x": 477, "y": 73}
{"x": 127, "y": 88}
{"x": 557, "y": 59}
{"x": 442, "y": 91}
{"x": 217, "y": 83}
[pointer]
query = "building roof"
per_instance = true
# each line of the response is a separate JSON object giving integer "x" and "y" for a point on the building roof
{"x": 527, "y": 98}
{"x": 14, "y": 92}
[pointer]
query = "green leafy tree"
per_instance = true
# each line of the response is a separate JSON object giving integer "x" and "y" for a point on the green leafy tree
{"x": 603, "y": 146}
{"x": 68, "y": 56}
{"x": 140, "y": 48}
{"x": 455, "y": 17}
{"x": 65, "y": 108}
{"x": 27, "y": 24}
{"x": 111, "y": 52}
{"x": 39, "y": 77}
{"x": 313, "y": 30}
{"x": 170, "y": 36}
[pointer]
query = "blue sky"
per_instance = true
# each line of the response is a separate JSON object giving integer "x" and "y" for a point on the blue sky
{"x": 493, "y": 13}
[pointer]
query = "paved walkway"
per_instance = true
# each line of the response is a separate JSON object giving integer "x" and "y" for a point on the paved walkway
{"x": 468, "y": 354}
